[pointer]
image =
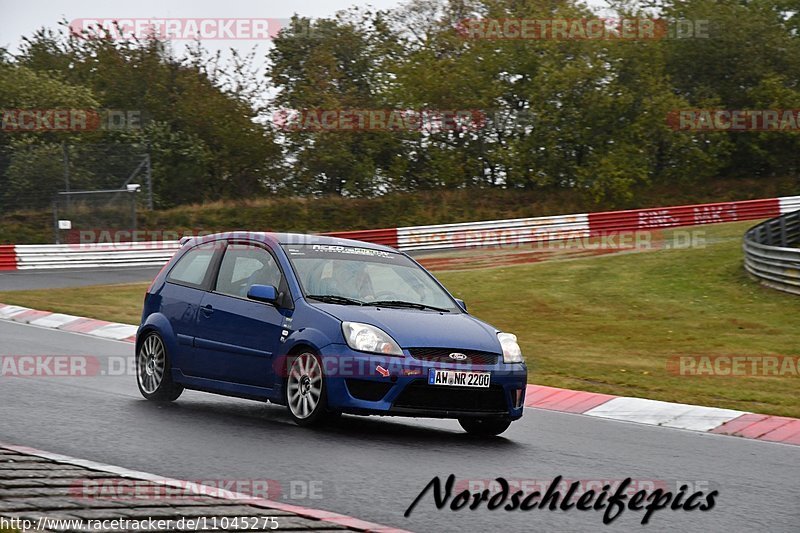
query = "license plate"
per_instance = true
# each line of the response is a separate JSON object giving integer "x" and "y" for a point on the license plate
{"x": 458, "y": 378}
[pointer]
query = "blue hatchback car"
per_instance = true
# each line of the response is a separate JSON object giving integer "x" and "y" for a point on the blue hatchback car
{"x": 324, "y": 326}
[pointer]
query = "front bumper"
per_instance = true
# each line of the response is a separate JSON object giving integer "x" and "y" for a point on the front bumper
{"x": 361, "y": 383}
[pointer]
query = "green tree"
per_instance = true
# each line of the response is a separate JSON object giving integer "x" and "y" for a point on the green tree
{"x": 240, "y": 157}
{"x": 750, "y": 60}
{"x": 31, "y": 169}
{"x": 333, "y": 65}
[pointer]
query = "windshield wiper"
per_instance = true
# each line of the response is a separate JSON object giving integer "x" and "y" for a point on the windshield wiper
{"x": 334, "y": 299}
{"x": 412, "y": 305}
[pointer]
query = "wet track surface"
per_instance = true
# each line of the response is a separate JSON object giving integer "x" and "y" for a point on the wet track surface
{"x": 373, "y": 468}
{"x": 21, "y": 280}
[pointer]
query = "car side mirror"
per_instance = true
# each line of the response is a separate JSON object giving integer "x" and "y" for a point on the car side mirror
{"x": 462, "y": 303}
{"x": 263, "y": 293}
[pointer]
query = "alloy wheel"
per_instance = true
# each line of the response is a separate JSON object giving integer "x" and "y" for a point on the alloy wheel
{"x": 150, "y": 364}
{"x": 304, "y": 386}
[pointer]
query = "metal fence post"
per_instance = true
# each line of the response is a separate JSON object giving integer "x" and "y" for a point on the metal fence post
{"x": 133, "y": 210}
{"x": 149, "y": 173}
{"x": 65, "y": 159}
{"x": 55, "y": 221}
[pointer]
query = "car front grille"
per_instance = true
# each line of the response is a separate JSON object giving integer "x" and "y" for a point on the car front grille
{"x": 419, "y": 395}
{"x": 442, "y": 355}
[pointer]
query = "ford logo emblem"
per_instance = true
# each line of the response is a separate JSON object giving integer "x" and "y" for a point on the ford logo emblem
{"x": 458, "y": 356}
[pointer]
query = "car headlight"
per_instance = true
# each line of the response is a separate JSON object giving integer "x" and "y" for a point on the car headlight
{"x": 367, "y": 338}
{"x": 511, "y": 350}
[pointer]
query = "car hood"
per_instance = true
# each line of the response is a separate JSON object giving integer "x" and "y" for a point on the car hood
{"x": 412, "y": 328}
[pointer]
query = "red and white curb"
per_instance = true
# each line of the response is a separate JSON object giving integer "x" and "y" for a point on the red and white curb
{"x": 199, "y": 489}
{"x": 73, "y": 324}
{"x": 639, "y": 410}
{"x": 666, "y": 414}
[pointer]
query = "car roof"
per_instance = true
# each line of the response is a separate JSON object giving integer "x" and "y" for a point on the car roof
{"x": 289, "y": 238}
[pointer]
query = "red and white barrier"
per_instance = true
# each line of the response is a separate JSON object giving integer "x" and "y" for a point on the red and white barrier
{"x": 525, "y": 230}
{"x": 128, "y": 254}
{"x": 684, "y": 215}
{"x": 419, "y": 238}
{"x": 387, "y": 237}
{"x": 493, "y": 233}
{"x": 8, "y": 257}
{"x": 789, "y": 204}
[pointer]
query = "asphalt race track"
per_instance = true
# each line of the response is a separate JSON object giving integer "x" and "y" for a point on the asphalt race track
{"x": 21, "y": 280}
{"x": 374, "y": 468}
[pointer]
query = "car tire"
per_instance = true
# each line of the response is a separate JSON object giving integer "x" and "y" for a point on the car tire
{"x": 154, "y": 371}
{"x": 306, "y": 393}
{"x": 484, "y": 427}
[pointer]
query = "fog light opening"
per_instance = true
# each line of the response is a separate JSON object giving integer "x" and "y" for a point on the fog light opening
{"x": 519, "y": 397}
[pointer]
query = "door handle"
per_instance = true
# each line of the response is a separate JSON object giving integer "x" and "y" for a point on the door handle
{"x": 207, "y": 310}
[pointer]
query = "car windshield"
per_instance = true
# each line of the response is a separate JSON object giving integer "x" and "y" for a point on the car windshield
{"x": 363, "y": 276}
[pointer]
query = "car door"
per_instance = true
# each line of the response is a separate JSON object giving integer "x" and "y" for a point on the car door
{"x": 183, "y": 291}
{"x": 237, "y": 337}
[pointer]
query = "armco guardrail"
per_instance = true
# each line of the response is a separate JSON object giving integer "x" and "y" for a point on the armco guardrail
{"x": 771, "y": 253}
{"x": 387, "y": 237}
{"x": 423, "y": 238}
{"x": 8, "y": 258}
{"x": 525, "y": 230}
{"x": 493, "y": 233}
{"x": 130, "y": 254}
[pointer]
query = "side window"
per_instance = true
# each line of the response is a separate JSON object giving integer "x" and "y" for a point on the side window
{"x": 245, "y": 265}
{"x": 192, "y": 267}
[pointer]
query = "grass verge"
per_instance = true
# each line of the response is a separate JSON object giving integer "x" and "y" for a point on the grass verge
{"x": 606, "y": 324}
{"x": 115, "y": 303}
{"x": 611, "y": 323}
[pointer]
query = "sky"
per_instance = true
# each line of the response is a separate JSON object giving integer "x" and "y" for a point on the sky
{"x": 23, "y": 17}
